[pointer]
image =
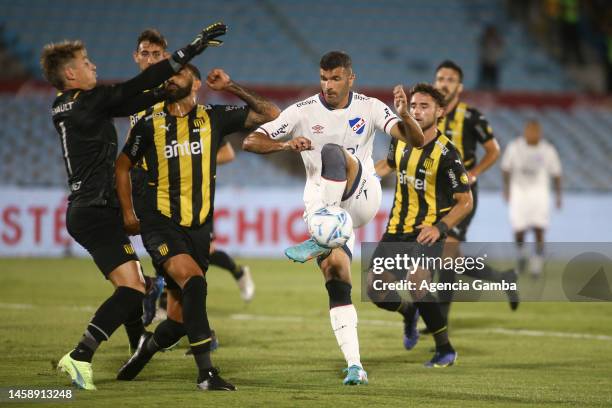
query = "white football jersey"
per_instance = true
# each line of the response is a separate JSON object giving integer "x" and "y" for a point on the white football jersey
{"x": 530, "y": 167}
{"x": 352, "y": 127}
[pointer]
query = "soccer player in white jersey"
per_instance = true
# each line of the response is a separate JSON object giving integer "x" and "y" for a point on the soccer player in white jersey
{"x": 334, "y": 133}
{"x": 527, "y": 165}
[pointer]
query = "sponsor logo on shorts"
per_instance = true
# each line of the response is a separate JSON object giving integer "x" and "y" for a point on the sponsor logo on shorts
{"x": 129, "y": 249}
{"x": 163, "y": 249}
{"x": 464, "y": 178}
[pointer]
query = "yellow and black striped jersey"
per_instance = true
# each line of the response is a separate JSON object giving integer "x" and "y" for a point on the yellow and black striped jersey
{"x": 427, "y": 179}
{"x": 181, "y": 156}
{"x": 466, "y": 127}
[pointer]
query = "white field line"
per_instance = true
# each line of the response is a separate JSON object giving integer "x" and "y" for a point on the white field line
{"x": 362, "y": 322}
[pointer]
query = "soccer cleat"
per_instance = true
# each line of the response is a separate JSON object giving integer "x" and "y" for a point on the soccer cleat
{"x": 305, "y": 251}
{"x": 80, "y": 372}
{"x": 441, "y": 360}
{"x": 511, "y": 276}
{"x": 355, "y": 375}
{"x": 212, "y": 381}
{"x": 214, "y": 343}
{"x": 139, "y": 359}
{"x": 246, "y": 284}
{"x": 411, "y": 334}
{"x": 150, "y": 300}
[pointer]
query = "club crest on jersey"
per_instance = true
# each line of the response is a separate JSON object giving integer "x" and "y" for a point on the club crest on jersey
{"x": 357, "y": 125}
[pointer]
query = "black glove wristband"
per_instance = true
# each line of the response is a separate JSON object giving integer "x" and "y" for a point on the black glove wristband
{"x": 442, "y": 227}
{"x": 207, "y": 37}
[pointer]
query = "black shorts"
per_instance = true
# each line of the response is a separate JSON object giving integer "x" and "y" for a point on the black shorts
{"x": 100, "y": 231}
{"x": 411, "y": 249}
{"x": 163, "y": 239}
{"x": 459, "y": 231}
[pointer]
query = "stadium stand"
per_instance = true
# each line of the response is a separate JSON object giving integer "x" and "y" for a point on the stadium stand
{"x": 402, "y": 40}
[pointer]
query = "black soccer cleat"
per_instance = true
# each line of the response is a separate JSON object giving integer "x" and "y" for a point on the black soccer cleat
{"x": 212, "y": 381}
{"x": 139, "y": 359}
{"x": 511, "y": 276}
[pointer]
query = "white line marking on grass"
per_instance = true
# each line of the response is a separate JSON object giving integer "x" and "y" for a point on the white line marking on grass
{"x": 366, "y": 322}
{"x": 16, "y": 306}
{"x": 293, "y": 319}
{"x": 27, "y": 306}
{"x": 541, "y": 333}
{"x": 389, "y": 323}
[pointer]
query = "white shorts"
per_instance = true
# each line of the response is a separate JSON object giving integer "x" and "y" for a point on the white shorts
{"x": 529, "y": 212}
{"x": 362, "y": 203}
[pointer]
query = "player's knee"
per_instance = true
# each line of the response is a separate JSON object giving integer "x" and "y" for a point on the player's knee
{"x": 333, "y": 162}
{"x": 339, "y": 293}
{"x": 386, "y": 300}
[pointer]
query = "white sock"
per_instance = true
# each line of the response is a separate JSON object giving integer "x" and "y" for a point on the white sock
{"x": 344, "y": 323}
{"x": 332, "y": 192}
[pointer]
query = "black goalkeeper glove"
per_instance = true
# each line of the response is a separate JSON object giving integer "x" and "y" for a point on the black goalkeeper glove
{"x": 207, "y": 37}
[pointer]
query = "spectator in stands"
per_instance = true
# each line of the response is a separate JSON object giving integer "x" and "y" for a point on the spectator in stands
{"x": 527, "y": 165}
{"x": 491, "y": 52}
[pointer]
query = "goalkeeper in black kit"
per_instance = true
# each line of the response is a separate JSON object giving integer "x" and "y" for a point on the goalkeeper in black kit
{"x": 83, "y": 117}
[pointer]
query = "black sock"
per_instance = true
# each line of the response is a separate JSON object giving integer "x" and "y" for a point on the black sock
{"x": 435, "y": 322}
{"x": 223, "y": 260}
{"x": 109, "y": 316}
{"x": 134, "y": 327}
{"x": 196, "y": 320}
{"x": 487, "y": 273}
{"x": 445, "y": 297}
{"x": 168, "y": 333}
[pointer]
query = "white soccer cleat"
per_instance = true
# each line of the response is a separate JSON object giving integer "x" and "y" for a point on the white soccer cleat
{"x": 246, "y": 285}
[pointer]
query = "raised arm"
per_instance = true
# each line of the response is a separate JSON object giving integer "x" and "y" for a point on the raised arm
{"x": 261, "y": 110}
{"x": 407, "y": 129}
{"x": 120, "y": 97}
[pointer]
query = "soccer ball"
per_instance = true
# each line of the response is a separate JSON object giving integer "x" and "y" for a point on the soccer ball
{"x": 331, "y": 227}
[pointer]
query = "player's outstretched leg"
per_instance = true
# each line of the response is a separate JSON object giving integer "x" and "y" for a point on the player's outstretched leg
{"x": 115, "y": 311}
{"x": 241, "y": 273}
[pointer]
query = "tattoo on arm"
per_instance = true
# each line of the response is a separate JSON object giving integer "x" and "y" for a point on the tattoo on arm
{"x": 261, "y": 109}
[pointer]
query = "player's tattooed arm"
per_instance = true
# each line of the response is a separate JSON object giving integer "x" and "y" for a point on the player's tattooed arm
{"x": 407, "y": 130}
{"x": 260, "y": 143}
{"x": 261, "y": 110}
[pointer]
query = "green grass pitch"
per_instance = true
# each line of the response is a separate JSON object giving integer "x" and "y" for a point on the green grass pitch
{"x": 280, "y": 350}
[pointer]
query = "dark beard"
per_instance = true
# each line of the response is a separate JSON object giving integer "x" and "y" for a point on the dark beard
{"x": 178, "y": 94}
